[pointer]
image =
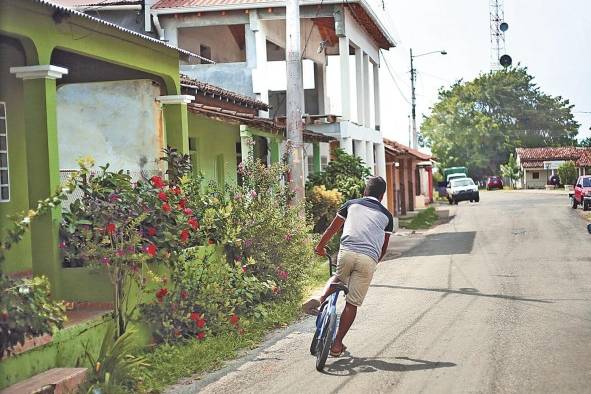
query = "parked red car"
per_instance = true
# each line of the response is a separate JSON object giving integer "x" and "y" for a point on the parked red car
{"x": 494, "y": 182}
{"x": 582, "y": 194}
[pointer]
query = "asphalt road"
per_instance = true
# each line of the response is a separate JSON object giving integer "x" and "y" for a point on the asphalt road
{"x": 497, "y": 300}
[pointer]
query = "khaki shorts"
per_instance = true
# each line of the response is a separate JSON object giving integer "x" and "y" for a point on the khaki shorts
{"x": 356, "y": 271}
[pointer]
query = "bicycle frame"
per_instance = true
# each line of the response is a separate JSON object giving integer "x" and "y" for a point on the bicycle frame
{"x": 329, "y": 309}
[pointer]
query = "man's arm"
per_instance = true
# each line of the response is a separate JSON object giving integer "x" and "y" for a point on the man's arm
{"x": 334, "y": 227}
{"x": 385, "y": 246}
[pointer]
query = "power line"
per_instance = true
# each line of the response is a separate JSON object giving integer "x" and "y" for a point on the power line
{"x": 394, "y": 79}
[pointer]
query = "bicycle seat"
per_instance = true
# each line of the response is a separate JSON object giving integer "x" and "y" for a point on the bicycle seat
{"x": 340, "y": 286}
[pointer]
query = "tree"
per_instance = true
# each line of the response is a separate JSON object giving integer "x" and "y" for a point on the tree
{"x": 585, "y": 143}
{"x": 567, "y": 172}
{"x": 511, "y": 170}
{"x": 479, "y": 123}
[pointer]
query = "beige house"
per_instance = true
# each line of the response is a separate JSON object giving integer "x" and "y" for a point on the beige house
{"x": 538, "y": 164}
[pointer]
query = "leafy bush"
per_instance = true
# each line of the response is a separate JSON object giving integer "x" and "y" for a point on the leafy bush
{"x": 206, "y": 295}
{"x": 121, "y": 226}
{"x": 322, "y": 206}
{"x": 258, "y": 250}
{"x": 345, "y": 172}
{"x": 110, "y": 371}
{"x": 567, "y": 172}
{"x": 26, "y": 308}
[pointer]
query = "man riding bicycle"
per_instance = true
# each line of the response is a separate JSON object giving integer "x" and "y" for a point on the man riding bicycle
{"x": 367, "y": 226}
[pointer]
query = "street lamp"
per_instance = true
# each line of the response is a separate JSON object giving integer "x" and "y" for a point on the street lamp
{"x": 413, "y": 78}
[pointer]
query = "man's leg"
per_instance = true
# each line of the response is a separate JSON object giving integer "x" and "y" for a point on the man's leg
{"x": 347, "y": 319}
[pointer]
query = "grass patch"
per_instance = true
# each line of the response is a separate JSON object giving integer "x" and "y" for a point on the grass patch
{"x": 423, "y": 220}
{"x": 170, "y": 363}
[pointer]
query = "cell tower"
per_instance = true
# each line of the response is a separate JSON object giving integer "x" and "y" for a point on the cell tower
{"x": 498, "y": 27}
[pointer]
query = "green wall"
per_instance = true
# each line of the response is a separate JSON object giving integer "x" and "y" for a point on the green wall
{"x": 11, "y": 91}
{"x": 215, "y": 148}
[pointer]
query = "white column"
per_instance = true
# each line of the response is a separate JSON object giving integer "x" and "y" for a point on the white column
{"x": 345, "y": 86}
{"x": 260, "y": 75}
{"x": 360, "y": 150}
{"x": 346, "y": 144}
{"x": 320, "y": 83}
{"x": 380, "y": 160}
{"x": 359, "y": 88}
{"x": 370, "y": 156}
{"x": 376, "y": 95}
{"x": 366, "y": 100}
{"x": 171, "y": 33}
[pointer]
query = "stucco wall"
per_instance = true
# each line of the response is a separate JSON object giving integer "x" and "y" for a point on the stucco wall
{"x": 532, "y": 183}
{"x": 215, "y": 144}
{"x": 11, "y": 92}
{"x": 114, "y": 122}
{"x": 224, "y": 48}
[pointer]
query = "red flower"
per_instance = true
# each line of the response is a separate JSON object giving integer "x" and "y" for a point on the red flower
{"x": 62, "y": 244}
{"x": 157, "y": 182}
{"x": 184, "y": 235}
{"x": 200, "y": 336}
{"x": 151, "y": 250}
{"x": 234, "y": 319}
{"x": 211, "y": 242}
{"x": 183, "y": 203}
{"x": 244, "y": 268}
{"x": 151, "y": 231}
{"x": 188, "y": 211}
{"x": 160, "y": 294}
{"x": 184, "y": 294}
{"x": 110, "y": 228}
{"x": 163, "y": 196}
{"x": 200, "y": 323}
{"x": 176, "y": 190}
{"x": 166, "y": 208}
{"x": 195, "y": 316}
{"x": 194, "y": 223}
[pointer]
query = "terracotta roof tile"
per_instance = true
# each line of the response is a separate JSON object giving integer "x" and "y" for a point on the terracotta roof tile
{"x": 255, "y": 121}
{"x": 585, "y": 159}
{"x": 549, "y": 153}
{"x": 206, "y": 88}
{"x": 397, "y": 148}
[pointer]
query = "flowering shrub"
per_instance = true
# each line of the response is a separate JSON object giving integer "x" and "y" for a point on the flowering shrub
{"x": 322, "y": 206}
{"x": 203, "y": 295}
{"x": 121, "y": 226}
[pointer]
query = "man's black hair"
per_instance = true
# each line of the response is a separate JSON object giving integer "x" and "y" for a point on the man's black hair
{"x": 375, "y": 187}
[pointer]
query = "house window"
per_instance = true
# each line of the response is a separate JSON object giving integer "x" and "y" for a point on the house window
{"x": 4, "y": 181}
{"x": 193, "y": 149}
{"x": 310, "y": 162}
{"x": 535, "y": 175}
{"x": 205, "y": 51}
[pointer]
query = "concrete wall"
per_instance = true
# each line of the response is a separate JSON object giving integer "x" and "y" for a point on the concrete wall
{"x": 11, "y": 92}
{"x": 532, "y": 183}
{"x": 236, "y": 77}
{"x": 216, "y": 145}
{"x": 114, "y": 122}
{"x": 224, "y": 48}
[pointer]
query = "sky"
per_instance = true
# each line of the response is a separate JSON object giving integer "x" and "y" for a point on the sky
{"x": 551, "y": 37}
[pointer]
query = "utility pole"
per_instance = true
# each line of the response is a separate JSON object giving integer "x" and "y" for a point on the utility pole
{"x": 414, "y": 102}
{"x": 294, "y": 100}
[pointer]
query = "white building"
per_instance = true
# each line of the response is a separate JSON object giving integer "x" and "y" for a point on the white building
{"x": 246, "y": 38}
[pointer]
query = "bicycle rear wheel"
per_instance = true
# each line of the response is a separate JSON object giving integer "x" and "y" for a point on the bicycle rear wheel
{"x": 325, "y": 341}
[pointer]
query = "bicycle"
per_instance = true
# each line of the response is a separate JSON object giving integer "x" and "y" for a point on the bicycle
{"x": 326, "y": 321}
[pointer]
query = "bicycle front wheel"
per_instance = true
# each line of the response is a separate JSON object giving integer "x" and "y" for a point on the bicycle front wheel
{"x": 325, "y": 341}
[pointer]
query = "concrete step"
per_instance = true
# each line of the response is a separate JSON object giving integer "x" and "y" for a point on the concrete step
{"x": 54, "y": 381}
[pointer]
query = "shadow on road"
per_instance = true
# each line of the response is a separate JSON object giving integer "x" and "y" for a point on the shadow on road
{"x": 466, "y": 291}
{"x": 348, "y": 365}
{"x": 444, "y": 244}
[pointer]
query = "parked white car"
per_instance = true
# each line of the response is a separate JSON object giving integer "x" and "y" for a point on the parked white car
{"x": 462, "y": 189}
